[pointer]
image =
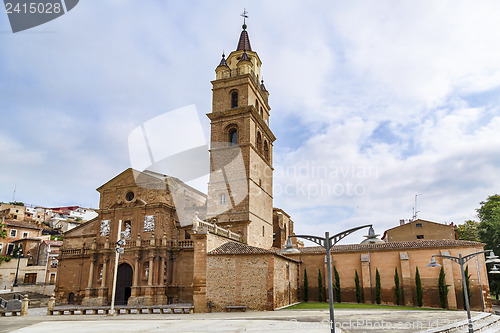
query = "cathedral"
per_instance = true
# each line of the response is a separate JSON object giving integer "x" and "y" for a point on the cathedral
{"x": 158, "y": 265}
{"x": 228, "y": 251}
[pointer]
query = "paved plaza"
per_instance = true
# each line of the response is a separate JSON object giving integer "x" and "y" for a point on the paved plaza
{"x": 267, "y": 321}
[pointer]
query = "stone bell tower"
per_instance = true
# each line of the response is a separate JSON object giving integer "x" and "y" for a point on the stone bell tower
{"x": 241, "y": 167}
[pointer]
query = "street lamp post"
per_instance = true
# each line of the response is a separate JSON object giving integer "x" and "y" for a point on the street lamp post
{"x": 327, "y": 243}
{"x": 19, "y": 256}
{"x": 120, "y": 242}
{"x": 492, "y": 258}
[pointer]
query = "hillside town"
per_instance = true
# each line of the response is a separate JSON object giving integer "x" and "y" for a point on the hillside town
{"x": 29, "y": 251}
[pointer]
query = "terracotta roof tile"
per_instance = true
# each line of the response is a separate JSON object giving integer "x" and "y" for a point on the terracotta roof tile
{"x": 240, "y": 248}
{"x": 21, "y": 224}
{"x": 244, "y": 42}
{"x": 417, "y": 244}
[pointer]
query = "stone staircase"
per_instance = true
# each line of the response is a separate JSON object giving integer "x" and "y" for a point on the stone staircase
{"x": 482, "y": 323}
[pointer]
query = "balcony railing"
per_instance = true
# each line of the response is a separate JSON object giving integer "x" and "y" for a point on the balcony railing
{"x": 237, "y": 72}
{"x": 214, "y": 229}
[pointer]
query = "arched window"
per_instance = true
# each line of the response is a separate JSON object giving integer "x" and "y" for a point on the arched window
{"x": 257, "y": 105}
{"x": 266, "y": 150}
{"x": 261, "y": 113}
{"x": 233, "y": 137}
{"x": 234, "y": 99}
{"x": 259, "y": 142}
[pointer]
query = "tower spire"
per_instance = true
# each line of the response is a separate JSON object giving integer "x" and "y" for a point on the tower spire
{"x": 244, "y": 42}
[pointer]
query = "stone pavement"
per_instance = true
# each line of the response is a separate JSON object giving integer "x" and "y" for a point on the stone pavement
{"x": 359, "y": 321}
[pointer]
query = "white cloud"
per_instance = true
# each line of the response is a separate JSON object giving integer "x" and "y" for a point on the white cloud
{"x": 361, "y": 85}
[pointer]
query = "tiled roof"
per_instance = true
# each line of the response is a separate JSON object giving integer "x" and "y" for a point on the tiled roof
{"x": 244, "y": 42}
{"x": 223, "y": 62}
{"x": 53, "y": 242}
{"x": 21, "y": 224}
{"x": 240, "y": 248}
{"x": 262, "y": 86}
{"x": 417, "y": 244}
{"x": 244, "y": 57}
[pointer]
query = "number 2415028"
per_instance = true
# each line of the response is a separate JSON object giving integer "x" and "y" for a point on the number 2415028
{"x": 33, "y": 8}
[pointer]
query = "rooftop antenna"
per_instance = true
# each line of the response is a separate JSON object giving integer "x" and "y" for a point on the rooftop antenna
{"x": 14, "y": 195}
{"x": 245, "y": 16}
{"x": 415, "y": 211}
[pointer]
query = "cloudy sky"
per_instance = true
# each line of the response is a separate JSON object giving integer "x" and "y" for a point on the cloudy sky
{"x": 373, "y": 102}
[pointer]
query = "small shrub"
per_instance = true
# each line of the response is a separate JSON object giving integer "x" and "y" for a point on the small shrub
{"x": 418, "y": 284}
{"x": 358, "y": 288}
{"x": 378, "y": 296}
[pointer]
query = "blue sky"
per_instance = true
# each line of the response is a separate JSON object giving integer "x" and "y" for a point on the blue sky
{"x": 391, "y": 98}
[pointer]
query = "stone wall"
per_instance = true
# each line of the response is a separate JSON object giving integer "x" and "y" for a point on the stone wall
{"x": 286, "y": 280}
{"x": 367, "y": 259}
{"x": 238, "y": 280}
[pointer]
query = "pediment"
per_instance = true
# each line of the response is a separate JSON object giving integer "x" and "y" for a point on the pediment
{"x": 89, "y": 228}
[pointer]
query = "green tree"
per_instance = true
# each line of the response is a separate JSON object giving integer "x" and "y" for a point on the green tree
{"x": 467, "y": 283}
{"x": 378, "y": 288}
{"x": 469, "y": 231}
{"x": 16, "y": 251}
{"x": 489, "y": 229}
{"x": 418, "y": 283}
{"x": 306, "y": 287}
{"x": 397, "y": 288}
{"x": 320, "y": 286}
{"x": 3, "y": 231}
{"x": 443, "y": 289}
{"x": 358, "y": 288}
{"x": 489, "y": 222}
{"x": 338, "y": 296}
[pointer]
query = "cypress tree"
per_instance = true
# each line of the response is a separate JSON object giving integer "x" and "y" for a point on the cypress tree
{"x": 306, "y": 287}
{"x": 418, "y": 284}
{"x": 467, "y": 282}
{"x": 358, "y": 288}
{"x": 397, "y": 288}
{"x": 338, "y": 296}
{"x": 378, "y": 296}
{"x": 443, "y": 289}
{"x": 320, "y": 286}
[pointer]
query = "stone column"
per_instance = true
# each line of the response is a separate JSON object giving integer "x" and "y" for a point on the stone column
{"x": 91, "y": 274}
{"x": 406, "y": 282}
{"x": 151, "y": 271}
{"x": 135, "y": 281}
{"x": 366, "y": 278}
{"x": 104, "y": 271}
{"x": 449, "y": 280}
{"x": 162, "y": 271}
{"x": 200, "y": 273}
{"x": 103, "y": 290}
{"x": 88, "y": 290}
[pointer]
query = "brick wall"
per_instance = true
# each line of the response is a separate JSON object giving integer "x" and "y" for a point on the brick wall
{"x": 366, "y": 262}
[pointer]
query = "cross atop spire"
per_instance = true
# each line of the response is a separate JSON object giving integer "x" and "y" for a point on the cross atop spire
{"x": 245, "y": 16}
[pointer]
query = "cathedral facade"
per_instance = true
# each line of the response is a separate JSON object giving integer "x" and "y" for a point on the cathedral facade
{"x": 228, "y": 253}
{"x": 160, "y": 263}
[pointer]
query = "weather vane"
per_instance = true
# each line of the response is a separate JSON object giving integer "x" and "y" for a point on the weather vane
{"x": 245, "y": 16}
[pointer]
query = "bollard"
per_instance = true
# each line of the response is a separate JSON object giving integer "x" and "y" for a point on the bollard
{"x": 24, "y": 306}
{"x": 51, "y": 304}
